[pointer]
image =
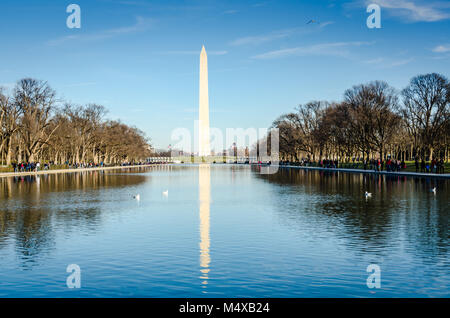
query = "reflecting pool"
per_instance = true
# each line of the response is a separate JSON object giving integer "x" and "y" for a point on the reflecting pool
{"x": 223, "y": 231}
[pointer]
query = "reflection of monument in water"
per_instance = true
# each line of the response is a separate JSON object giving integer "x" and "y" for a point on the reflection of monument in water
{"x": 203, "y": 124}
{"x": 204, "y": 187}
{"x": 204, "y": 176}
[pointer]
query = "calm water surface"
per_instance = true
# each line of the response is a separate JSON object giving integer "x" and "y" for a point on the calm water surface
{"x": 223, "y": 231}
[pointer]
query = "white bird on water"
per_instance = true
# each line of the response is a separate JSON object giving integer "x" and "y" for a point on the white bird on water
{"x": 166, "y": 193}
{"x": 433, "y": 190}
{"x": 368, "y": 195}
{"x": 137, "y": 197}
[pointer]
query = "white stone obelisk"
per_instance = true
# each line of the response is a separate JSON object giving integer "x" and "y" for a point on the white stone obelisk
{"x": 204, "y": 137}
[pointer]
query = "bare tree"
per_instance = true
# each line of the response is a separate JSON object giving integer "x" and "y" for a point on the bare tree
{"x": 370, "y": 121}
{"x": 372, "y": 107}
{"x": 300, "y": 131}
{"x": 33, "y": 128}
{"x": 426, "y": 109}
{"x": 36, "y": 101}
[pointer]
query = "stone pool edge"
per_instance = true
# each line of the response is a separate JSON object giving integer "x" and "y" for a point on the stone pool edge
{"x": 46, "y": 172}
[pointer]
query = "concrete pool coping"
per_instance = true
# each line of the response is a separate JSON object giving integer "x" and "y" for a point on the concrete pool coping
{"x": 400, "y": 174}
{"x": 405, "y": 174}
{"x": 58, "y": 171}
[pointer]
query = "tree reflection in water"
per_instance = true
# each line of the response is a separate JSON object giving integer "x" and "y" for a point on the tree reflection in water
{"x": 401, "y": 209}
{"x": 32, "y": 206}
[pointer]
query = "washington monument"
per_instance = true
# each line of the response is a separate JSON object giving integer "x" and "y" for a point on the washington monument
{"x": 204, "y": 138}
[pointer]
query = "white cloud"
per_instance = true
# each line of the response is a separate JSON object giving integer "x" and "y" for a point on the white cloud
{"x": 442, "y": 48}
{"x": 377, "y": 60}
{"x": 415, "y": 10}
{"x": 259, "y": 39}
{"x": 230, "y": 12}
{"x": 339, "y": 49}
{"x": 326, "y": 23}
{"x": 441, "y": 57}
{"x": 388, "y": 62}
{"x": 400, "y": 62}
{"x": 260, "y": 4}
{"x": 141, "y": 24}
{"x": 279, "y": 34}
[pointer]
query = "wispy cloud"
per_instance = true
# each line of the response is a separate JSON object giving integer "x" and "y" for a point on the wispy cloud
{"x": 326, "y": 23}
{"x": 388, "y": 62}
{"x": 339, "y": 49}
{"x": 230, "y": 12}
{"x": 377, "y": 60}
{"x": 442, "y": 48}
{"x": 259, "y": 39}
{"x": 415, "y": 10}
{"x": 442, "y": 52}
{"x": 141, "y": 24}
{"x": 279, "y": 34}
{"x": 400, "y": 62}
{"x": 441, "y": 57}
{"x": 259, "y": 4}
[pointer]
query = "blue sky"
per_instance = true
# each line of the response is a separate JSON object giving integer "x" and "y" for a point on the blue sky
{"x": 140, "y": 58}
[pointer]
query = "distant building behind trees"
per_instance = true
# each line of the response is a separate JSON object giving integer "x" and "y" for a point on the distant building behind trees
{"x": 373, "y": 121}
{"x": 36, "y": 127}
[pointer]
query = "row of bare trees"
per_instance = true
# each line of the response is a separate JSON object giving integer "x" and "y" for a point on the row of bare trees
{"x": 373, "y": 121}
{"x": 35, "y": 126}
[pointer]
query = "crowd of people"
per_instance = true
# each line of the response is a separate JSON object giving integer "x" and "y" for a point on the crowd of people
{"x": 102, "y": 164}
{"x": 435, "y": 166}
{"x": 83, "y": 165}
{"x": 29, "y": 166}
{"x": 37, "y": 166}
{"x": 389, "y": 165}
{"x": 306, "y": 162}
